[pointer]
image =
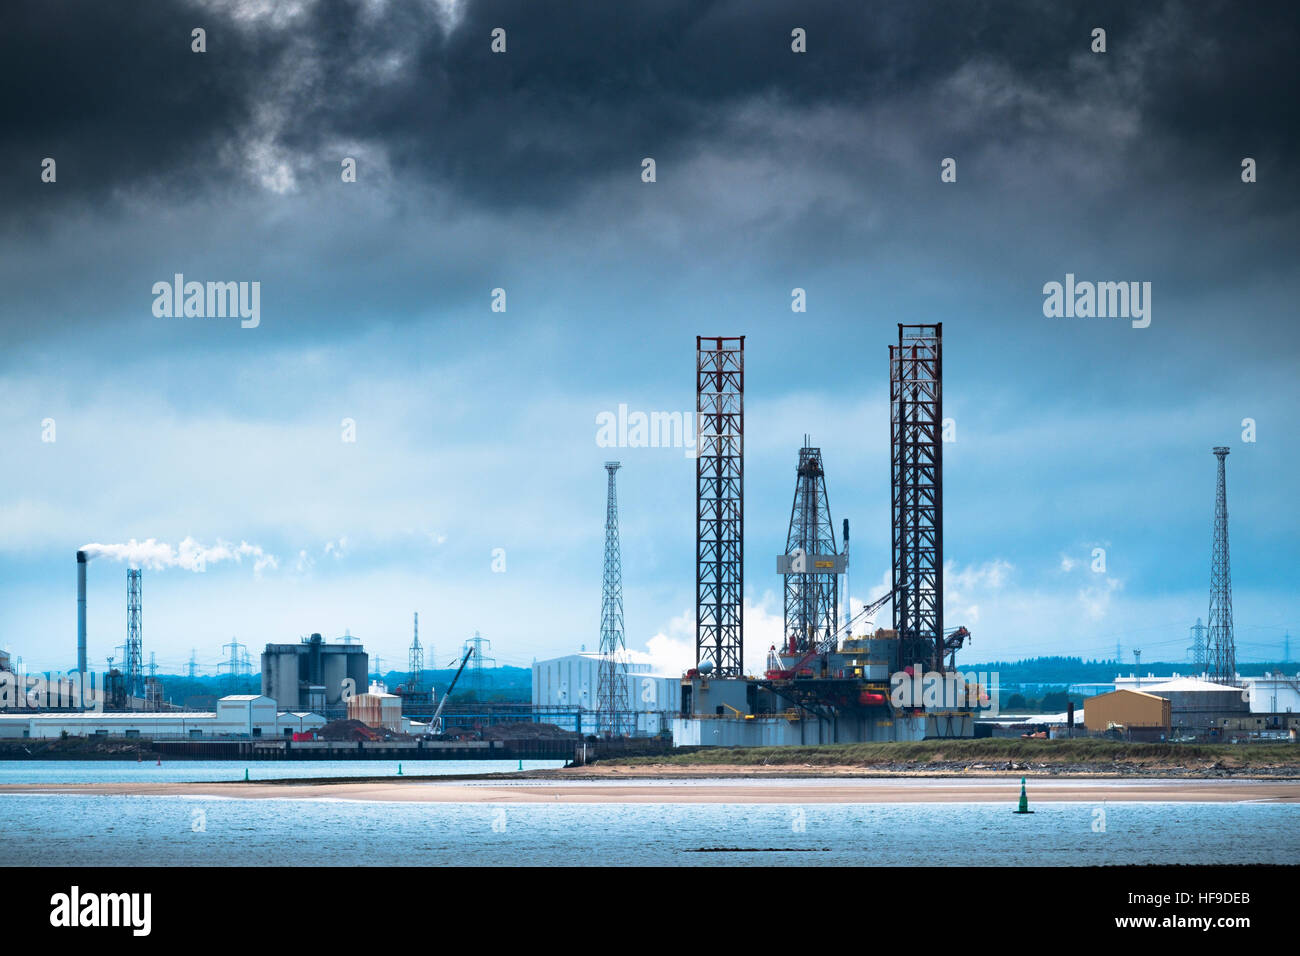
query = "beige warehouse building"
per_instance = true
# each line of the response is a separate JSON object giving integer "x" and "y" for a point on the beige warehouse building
{"x": 1129, "y": 709}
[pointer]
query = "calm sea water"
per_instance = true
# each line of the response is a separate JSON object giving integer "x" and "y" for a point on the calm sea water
{"x": 188, "y": 771}
{"x": 61, "y": 829}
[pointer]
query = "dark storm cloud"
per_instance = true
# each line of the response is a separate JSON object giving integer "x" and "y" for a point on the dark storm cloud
{"x": 114, "y": 95}
{"x": 588, "y": 88}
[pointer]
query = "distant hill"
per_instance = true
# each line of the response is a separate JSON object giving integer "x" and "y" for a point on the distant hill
{"x": 1075, "y": 670}
{"x": 502, "y": 684}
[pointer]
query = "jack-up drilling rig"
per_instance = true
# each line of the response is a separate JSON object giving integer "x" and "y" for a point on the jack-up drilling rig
{"x": 824, "y": 684}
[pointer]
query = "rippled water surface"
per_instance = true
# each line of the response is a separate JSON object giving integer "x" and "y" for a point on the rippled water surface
{"x": 58, "y": 829}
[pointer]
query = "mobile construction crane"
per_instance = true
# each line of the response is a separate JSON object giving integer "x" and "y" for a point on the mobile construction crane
{"x": 435, "y": 724}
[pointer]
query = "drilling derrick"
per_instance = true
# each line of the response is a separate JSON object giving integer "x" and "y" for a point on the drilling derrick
{"x": 1223, "y": 652}
{"x": 811, "y": 562}
{"x": 720, "y": 503}
{"x": 611, "y": 696}
{"x": 916, "y": 462}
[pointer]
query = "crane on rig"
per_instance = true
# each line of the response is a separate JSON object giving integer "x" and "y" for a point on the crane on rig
{"x": 435, "y": 724}
{"x": 867, "y": 610}
{"x": 776, "y": 672}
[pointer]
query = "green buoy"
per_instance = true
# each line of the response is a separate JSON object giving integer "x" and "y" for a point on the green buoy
{"x": 1024, "y": 799}
{"x": 399, "y": 769}
{"x": 245, "y": 775}
{"x": 521, "y": 763}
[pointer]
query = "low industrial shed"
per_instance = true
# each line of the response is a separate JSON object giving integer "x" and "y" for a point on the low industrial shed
{"x": 241, "y": 715}
{"x": 1130, "y": 709}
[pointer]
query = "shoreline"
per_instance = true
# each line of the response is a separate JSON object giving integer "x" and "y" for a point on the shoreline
{"x": 698, "y": 790}
{"x": 915, "y": 769}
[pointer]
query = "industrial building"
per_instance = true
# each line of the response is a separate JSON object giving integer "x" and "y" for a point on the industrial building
{"x": 1275, "y": 693}
{"x": 238, "y": 716}
{"x": 1260, "y": 706}
{"x": 311, "y": 675}
{"x": 378, "y": 708}
{"x": 1136, "y": 713}
{"x": 1056, "y": 726}
{"x": 1195, "y": 704}
{"x": 574, "y": 680}
{"x": 1272, "y": 726}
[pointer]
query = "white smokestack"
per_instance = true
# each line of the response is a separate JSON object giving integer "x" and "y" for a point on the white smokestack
{"x": 81, "y": 614}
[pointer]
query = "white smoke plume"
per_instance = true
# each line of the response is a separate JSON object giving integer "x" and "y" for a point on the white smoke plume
{"x": 189, "y": 555}
{"x": 672, "y": 651}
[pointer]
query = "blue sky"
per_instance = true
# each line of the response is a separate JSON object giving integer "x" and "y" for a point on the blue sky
{"x": 476, "y": 430}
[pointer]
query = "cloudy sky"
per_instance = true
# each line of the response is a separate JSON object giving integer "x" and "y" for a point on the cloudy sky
{"x": 476, "y": 430}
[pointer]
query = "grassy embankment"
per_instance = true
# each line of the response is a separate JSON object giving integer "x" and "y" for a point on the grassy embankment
{"x": 992, "y": 752}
